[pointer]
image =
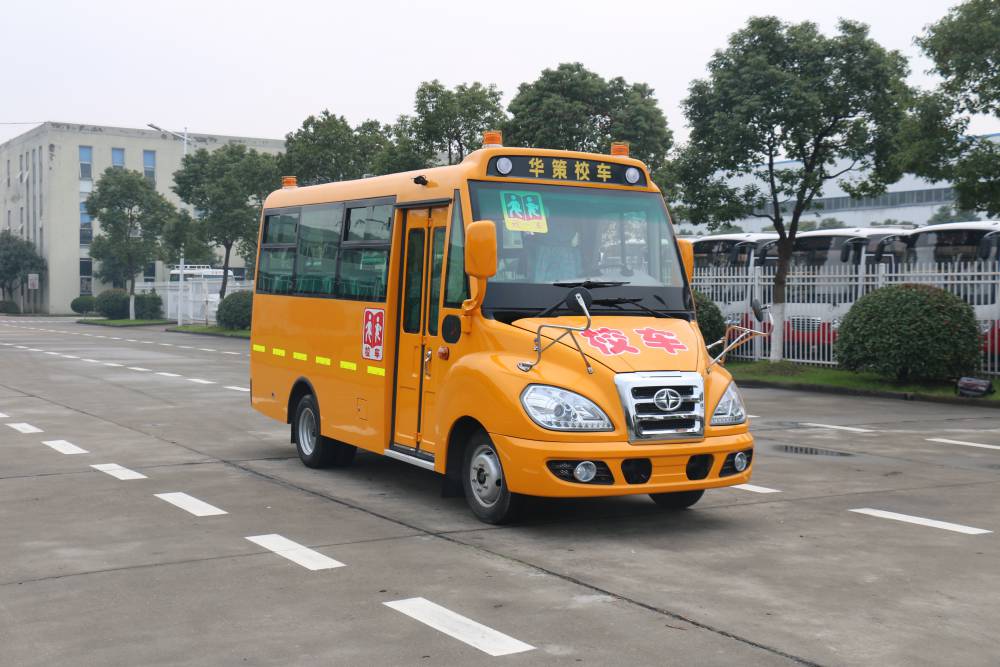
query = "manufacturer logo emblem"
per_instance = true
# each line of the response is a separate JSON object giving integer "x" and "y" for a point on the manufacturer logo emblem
{"x": 667, "y": 399}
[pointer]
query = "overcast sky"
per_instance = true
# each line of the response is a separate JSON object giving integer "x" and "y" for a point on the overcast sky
{"x": 257, "y": 68}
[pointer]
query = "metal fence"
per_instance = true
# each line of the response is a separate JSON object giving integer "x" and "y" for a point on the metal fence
{"x": 198, "y": 299}
{"x": 818, "y": 298}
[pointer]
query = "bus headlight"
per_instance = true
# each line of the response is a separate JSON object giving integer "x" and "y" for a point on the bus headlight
{"x": 557, "y": 409}
{"x": 730, "y": 409}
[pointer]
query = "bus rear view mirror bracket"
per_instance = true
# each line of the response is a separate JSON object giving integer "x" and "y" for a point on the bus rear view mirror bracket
{"x": 743, "y": 334}
{"x": 480, "y": 262}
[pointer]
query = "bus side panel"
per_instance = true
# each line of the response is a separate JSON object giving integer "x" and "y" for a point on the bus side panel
{"x": 270, "y": 335}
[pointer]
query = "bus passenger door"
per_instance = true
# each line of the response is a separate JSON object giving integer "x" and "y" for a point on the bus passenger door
{"x": 419, "y": 337}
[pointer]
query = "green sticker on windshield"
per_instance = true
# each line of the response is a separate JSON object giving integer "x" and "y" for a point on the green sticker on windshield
{"x": 523, "y": 211}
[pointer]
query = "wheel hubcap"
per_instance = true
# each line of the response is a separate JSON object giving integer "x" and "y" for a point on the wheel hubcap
{"x": 307, "y": 431}
{"x": 486, "y": 476}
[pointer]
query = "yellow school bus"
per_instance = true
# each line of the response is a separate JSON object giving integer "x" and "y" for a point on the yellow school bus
{"x": 521, "y": 323}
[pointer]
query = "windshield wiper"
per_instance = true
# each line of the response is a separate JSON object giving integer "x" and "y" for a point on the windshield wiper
{"x": 593, "y": 284}
{"x": 618, "y": 301}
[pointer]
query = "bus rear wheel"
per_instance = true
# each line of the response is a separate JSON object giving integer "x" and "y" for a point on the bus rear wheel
{"x": 680, "y": 500}
{"x": 485, "y": 485}
{"x": 315, "y": 450}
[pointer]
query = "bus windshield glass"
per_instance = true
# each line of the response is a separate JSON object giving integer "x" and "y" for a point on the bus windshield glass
{"x": 946, "y": 246}
{"x": 560, "y": 234}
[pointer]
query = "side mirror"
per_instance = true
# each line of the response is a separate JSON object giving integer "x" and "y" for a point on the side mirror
{"x": 734, "y": 253}
{"x": 481, "y": 249}
{"x": 687, "y": 257}
{"x": 845, "y": 252}
{"x": 757, "y": 309}
{"x": 985, "y": 247}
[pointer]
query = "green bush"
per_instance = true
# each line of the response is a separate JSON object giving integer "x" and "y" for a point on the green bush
{"x": 83, "y": 304}
{"x": 9, "y": 307}
{"x": 112, "y": 304}
{"x": 910, "y": 332}
{"x": 235, "y": 311}
{"x": 710, "y": 321}
{"x": 148, "y": 306}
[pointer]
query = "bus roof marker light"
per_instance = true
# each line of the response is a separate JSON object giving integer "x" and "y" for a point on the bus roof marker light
{"x": 492, "y": 139}
{"x": 619, "y": 148}
{"x": 504, "y": 165}
{"x": 289, "y": 182}
{"x": 632, "y": 175}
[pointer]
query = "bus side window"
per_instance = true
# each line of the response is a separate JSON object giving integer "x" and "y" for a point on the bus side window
{"x": 277, "y": 253}
{"x": 364, "y": 255}
{"x": 319, "y": 246}
{"x": 456, "y": 289}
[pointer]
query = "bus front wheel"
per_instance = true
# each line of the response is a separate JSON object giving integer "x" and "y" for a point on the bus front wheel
{"x": 680, "y": 500}
{"x": 485, "y": 485}
{"x": 315, "y": 450}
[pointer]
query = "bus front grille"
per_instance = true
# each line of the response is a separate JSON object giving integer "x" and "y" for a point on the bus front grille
{"x": 662, "y": 405}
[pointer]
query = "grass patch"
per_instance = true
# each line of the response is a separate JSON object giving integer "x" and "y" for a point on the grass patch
{"x": 791, "y": 374}
{"x": 122, "y": 323}
{"x": 211, "y": 331}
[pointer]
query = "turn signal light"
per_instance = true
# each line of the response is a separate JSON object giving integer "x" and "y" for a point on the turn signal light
{"x": 619, "y": 148}
{"x": 289, "y": 182}
{"x": 492, "y": 139}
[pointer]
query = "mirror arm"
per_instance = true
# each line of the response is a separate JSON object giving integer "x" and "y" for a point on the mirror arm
{"x": 566, "y": 330}
{"x": 744, "y": 336}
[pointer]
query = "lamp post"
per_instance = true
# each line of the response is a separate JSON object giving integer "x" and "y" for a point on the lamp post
{"x": 180, "y": 288}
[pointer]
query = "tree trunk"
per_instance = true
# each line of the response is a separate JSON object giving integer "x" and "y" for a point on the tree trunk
{"x": 778, "y": 299}
{"x": 131, "y": 299}
{"x": 225, "y": 271}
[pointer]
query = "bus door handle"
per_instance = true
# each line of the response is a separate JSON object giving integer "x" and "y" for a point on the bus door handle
{"x": 428, "y": 355}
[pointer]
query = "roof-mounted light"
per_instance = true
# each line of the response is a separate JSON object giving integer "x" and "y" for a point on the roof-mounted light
{"x": 492, "y": 139}
{"x": 619, "y": 148}
{"x": 289, "y": 182}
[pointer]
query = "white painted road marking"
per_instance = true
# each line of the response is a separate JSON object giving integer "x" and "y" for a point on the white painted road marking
{"x": 4, "y": 416}
{"x": 69, "y": 356}
{"x": 230, "y": 353}
{"x": 137, "y": 368}
{"x": 206, "y": 349}
{"x": 200, "y": 381}
{"x": 295, "y": 552}
{"x": 169, "y": 375}
{"x": 853, "y": 429}
{"x": 91, "y": 361}
{"x": 25, "y": 428}
{"x": 117, "y": 471}
{"x": 238, "y": 388}
{"x": 64, "y": 447}
{"x": 754, "y": 416}
{"x": 755, "y": 488}
{"x": 962, "y": 442}
{"x": 190, "y": 504}
{"x": 112, "y": 364}
{"x": 461, "y": 628}
{"x": 920, "y": 521}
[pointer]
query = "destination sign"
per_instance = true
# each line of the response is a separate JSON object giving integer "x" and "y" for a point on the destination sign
{"x": 565, "y": 169}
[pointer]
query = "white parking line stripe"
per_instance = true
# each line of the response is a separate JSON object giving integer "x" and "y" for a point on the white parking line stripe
{"x": 962, "y": 442}
{"x": 69, "y": 356}
{"x": 64, "y": 447}
{"x": 51, "y": 353}
{"x": 295, "y": 552}
{"x": 131, "y": 340}
{"x": 25, "y": 428}
{"x": 21, "y": 347}
{"x": 933, "y": 523}
{"x": 137, "y": 368}
{"x": 206, "y": 349}
{"x": 112, "y": 364}
{"x": 854, "y": 429}
{"x": 200, "y": 381}
{"x": 33, "y": 349}
{"x": 169, "y": 375}
{"x": 190, "y": 504}
{"x": 224, "y": 352}
{"x": 117, "y": 471}
{"x": 754, "y": 416}
{"x": 147, "y": 342}
{"x": 91, "y": 361}
{"x": 167, "y": 344}
{"x": 185, "y": 347}
{"x": 4, "y": 415}
{"x": 238, "y": 388}
{"x": 461, "y": 628}
{"x": 755, "y": 488}
{"x": 112, "y": 338}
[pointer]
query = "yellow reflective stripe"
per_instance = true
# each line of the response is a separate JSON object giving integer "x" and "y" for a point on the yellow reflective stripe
{"x": 277, "y": 351}
{"x": 300, "y": 356}
{"x": 259, "y": 348}
{"x": 349, "y": 365}
{"x": 323, "y": 361}
{"x": 375, "y": 370}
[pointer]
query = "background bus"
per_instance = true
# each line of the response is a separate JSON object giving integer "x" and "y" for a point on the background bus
{"x": 730, "y": 249}
{"x": 199, "y": 272}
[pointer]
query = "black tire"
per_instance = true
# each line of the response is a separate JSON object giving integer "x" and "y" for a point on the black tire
{"x": 680, "y": 500}
{"x": 488, "y": 497}
{"x": 315, "y": 450}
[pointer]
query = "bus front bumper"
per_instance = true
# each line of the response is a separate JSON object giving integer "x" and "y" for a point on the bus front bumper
{"x": 526, "y": 465}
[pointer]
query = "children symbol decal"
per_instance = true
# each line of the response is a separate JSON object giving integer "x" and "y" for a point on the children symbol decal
{"x": 609, "y": 341}
{"x": 373, "y": 334}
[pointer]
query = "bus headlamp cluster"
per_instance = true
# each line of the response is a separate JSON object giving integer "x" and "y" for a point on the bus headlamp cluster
{"x": 730, "y": 410}
{"x": 557, "y": 409}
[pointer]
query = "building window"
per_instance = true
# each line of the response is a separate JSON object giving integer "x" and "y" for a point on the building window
{"x": 149, "y": 166}
{"x": 149, "y": 275}
{"x": 86, "y": 276}
{"x": 86, "y": 225}
{"x": 118, "y": 158}
{"x": 86, "y": 163}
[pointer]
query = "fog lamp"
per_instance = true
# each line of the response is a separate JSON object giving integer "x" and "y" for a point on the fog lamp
{"x": 740, "y": 461}
{"x": 585, "y": 471}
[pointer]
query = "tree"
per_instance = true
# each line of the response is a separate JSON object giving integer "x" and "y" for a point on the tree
{"x": 453, "y": 121}
{"x": 965, "y": 49}
{"x": 729, "y": 228}
{"x": 326, "y": 149}
{"x": 572, "y": 108}
{"x": 827, "y": 106}
{"x": 183, "y": 236}
{"x": 832, "y": 223}
{"x": 948, "y": 214}
{"x": 404, "y": 150}
{"x": 891, "y": 222}
{"x": 18, "y": 258}
{"x": 131, "y": 215}
{"x": 228, "y": 187}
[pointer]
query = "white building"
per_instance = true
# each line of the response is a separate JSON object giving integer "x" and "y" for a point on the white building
{"x": 47, "y": 174}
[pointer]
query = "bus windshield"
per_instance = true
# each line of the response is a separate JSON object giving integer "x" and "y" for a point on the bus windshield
{"x": 553, "y": 234}
{"x": 946, "y": 246}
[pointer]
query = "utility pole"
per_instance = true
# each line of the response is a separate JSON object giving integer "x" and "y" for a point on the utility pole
{"x": 180, "y": 289}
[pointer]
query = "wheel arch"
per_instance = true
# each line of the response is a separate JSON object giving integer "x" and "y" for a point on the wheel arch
{"x": 301, "y": 387}
{"x": 458, "y": 439}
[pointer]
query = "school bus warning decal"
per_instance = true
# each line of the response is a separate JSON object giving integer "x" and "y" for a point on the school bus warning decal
{"x": 374, "y": 332}
{"x": 523, "y": 212}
